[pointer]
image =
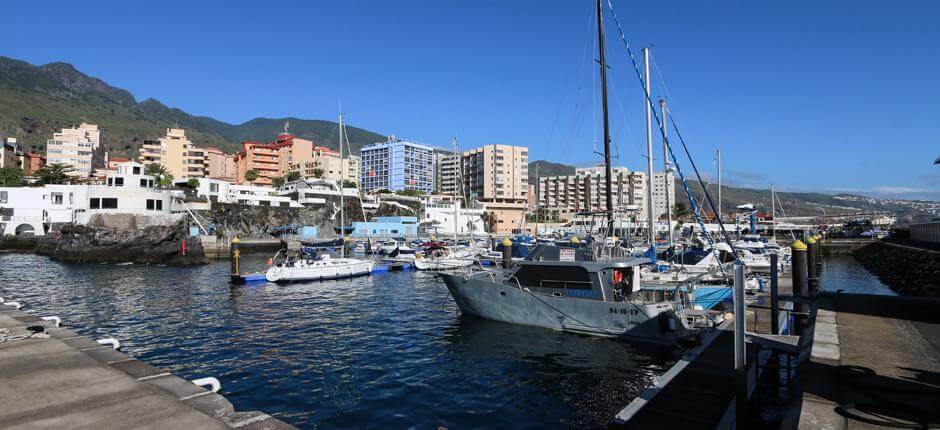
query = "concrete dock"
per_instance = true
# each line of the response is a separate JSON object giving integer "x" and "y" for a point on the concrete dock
{"x": 51, "y": 377}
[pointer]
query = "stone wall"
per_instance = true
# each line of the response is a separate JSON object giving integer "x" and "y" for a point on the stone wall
{"x": 906, "y": 270}
{"x": 258, "y": 221}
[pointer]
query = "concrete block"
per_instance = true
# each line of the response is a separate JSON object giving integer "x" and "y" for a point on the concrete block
{"x": 82, "y": 343}
{"x": 105, "y": 355}
{"x": 136, "y": 369}
{"x": 825, "y": 351}
{"x": 62, "y": 333}
{"x": 176, "y": 386}
{"x": 212, "y": 404}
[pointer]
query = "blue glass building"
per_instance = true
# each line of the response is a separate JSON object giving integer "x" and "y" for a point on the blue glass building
{"x": 397, "y": 165}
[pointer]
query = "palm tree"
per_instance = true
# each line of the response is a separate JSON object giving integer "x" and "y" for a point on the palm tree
{"x": 54, "y": 173}
{"x": 251, "y": 176}
{"x": 160, "y": 172}
{"x": 293, "y": 176}
{"x": 317, "y": 173}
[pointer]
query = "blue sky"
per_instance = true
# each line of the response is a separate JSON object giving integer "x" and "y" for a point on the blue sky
{"x": 807, "y": 95}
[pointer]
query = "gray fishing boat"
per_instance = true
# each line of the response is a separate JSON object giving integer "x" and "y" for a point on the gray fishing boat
{"x": 568, "y": 289}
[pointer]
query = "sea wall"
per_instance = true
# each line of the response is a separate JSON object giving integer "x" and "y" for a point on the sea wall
{"x": 906, "y": 270}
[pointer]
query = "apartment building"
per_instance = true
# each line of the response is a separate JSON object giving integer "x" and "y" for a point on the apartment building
{"x": 176, "y": 153}
{"x": 664, "y": 191}
{"x": 328, "y": 164}
{"x": 273, "y": 159}
{"x": 497, "y": 177}
{"x": 74, "y": 147}
{"x": 219, "y": 165}
{"x": 586, "y": 191}
{"x": 447, "y": 173}
{"x": 397, "y": 165}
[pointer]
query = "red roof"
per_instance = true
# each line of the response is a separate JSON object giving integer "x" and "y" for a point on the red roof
{"x": 119, "y": 159}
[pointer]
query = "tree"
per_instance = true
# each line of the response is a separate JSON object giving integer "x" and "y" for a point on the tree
{"x": 410, "y": 193}
{"x": 680, "y": 210}
{"x": 55, "y": 173}
{"x": 192, "y": 183}
{"x": 161, "y": 174}
{"x": 10, "y": 177}
{"x": 293, "y": 176}
{"x": 278, "y": 181}
{"x": 349, "y": 184}
{"x": 317, "y": 173}
{"x": 251, "y": 176}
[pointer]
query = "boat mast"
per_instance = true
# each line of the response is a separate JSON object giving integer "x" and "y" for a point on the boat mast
{"x": 603, "y": 62}
{"x": 667, "y": 178}
{"x": 342, "y": 192}
{"x": 456, "y": 205}
{"x": 773, "y": 213}
{"x": 650, "y": 218}
{"x": 718, "y": 151}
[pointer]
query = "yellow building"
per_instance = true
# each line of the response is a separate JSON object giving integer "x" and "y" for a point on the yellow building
{"x": 74, "y": 147}
{"x": 175, "y": 152}
{"x": 328, "y": 164}
{"x": 497, "y": 176}
{"x": 219, "y": 165}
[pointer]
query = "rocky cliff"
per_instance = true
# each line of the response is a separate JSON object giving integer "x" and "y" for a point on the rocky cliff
{"x": 157, "y": 244}
{"x": 232, "y": 220}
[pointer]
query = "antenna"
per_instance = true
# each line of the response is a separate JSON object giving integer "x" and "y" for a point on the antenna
{"x": 287, "y": 127}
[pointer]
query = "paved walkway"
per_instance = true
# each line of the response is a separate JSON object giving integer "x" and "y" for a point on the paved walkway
{"x": 64, "y": 380}
{"x": 881, "y": 366}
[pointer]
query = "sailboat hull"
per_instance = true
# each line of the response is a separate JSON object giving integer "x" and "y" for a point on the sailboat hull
{"x": 329, "y": 269}
{"x": 508, "y": 303}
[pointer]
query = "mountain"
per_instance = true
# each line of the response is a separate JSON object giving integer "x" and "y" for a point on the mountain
{"x": 36, "y": 101}
{"x": 547, "y": 168}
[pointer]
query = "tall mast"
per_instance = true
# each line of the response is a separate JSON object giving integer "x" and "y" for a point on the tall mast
{"x": 773, "y": 213}
{"x": 342, "y": 189}
{"x": 603, "y": 60}
{"x": 649, "y": 151}
{"x": 667, "y": 178}
{"x": 456, "y": 204}
{"x": 719, "y": 185}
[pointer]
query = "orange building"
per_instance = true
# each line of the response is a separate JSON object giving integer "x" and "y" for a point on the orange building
{"x": 272, "y": 159}
{"x": 219, "y": 165}
{"x": 32, "y": 162}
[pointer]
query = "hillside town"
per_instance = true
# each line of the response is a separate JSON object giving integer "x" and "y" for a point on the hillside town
{"x": 76, "y": 178}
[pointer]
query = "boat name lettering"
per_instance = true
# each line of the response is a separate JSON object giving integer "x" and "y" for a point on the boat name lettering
{"x": 624, "y": 311}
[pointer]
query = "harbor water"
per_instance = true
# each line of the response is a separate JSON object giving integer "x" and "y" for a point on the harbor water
{"x": 844, "y": 272}
{"x": 386, "y": 351}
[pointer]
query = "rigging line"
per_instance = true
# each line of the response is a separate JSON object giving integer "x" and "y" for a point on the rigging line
{"x": 561, "y": 100}
{"x": 566, "y": 148}
{"x": 659, "y": 122}
{"x": 623, "y": 116}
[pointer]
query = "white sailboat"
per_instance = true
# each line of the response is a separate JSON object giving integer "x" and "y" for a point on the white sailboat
{"x": 296, "y": 263}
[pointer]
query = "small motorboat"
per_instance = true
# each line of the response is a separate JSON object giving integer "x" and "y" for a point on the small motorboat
{"x": 442, "y": 258}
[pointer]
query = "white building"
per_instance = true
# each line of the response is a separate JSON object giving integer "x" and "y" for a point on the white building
{"x": 440, "y": 218}
{"x": 252, "y": 195}
{"x": 25, "y": 210}
{"x": 314, "y": 192}
{"x": 74, "y": 147}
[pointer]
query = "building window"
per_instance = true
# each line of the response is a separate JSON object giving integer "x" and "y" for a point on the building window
{"x": 109, "y": 203}
{"x": 143, "y": 183}
{"x": 57, "y": 198}
{"x": 150, "y": 204}
{"x": 94, "y": 203}
{"x": 213, "y": 188}
{"x": 118, "y": 182}
{"x": 136, "y": 170}
{"x": 4, "y": 196}
{"x": 285, "y": 204}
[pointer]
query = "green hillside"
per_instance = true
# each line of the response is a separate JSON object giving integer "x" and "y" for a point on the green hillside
{"x": 36, "y": 101}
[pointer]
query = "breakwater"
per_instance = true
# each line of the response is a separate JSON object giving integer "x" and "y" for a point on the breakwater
{"x": 908, "y": 270}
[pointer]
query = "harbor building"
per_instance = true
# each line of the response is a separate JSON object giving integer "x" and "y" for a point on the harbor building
{"x": 273, "y": 159}
{"x": 176, "y": 153}
{"x": 219, "y": 165}
{"x": 218, "y": 191}
{"x": 586, "y": 191}
{"x": 386, "y": 227}
{"x": 397, "y": 165}
{"x": 74, "y": 147}
{"x": 497, "y": 177}
{"x": 328, "y": 164}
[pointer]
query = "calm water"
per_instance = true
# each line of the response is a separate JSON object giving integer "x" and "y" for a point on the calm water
{"x": 388, "y": 351}
{"x": 844, "y": 272}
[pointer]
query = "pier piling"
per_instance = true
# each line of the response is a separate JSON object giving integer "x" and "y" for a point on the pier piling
{"x": 774, "y": 297}
{"x": 507, "y": 252}
{"x": 740, "y": 357}
{"x": 235, "y": 251}
{"x": 799, "y": 283}
{"x": 812, "y": 261}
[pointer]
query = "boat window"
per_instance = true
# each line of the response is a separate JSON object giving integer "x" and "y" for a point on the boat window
{"x": 689, "y": 257}
{"x": 571, "y": 277}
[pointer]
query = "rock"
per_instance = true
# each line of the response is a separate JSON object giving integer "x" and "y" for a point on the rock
{"x": 149, "y": 245}
{"x": 906, "y": 271}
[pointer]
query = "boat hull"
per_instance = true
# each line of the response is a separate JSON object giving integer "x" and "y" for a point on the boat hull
{"x": 509, "y": 303}
{"x": 442, "y": 263}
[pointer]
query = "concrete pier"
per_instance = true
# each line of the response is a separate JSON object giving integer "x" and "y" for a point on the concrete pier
{"x": 59, "y": 379}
